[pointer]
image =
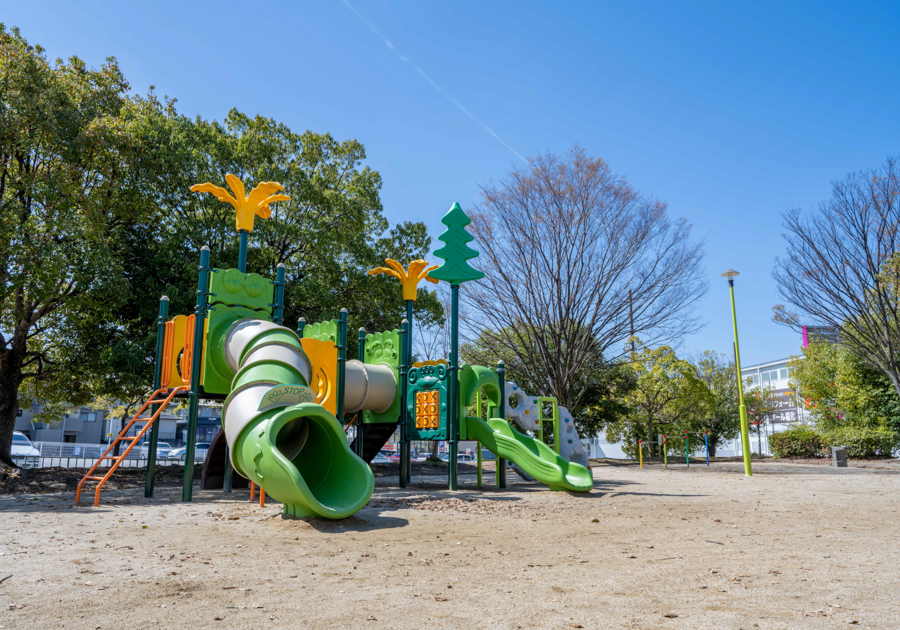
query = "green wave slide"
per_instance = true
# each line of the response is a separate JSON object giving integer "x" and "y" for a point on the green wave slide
{"x": 497, "y": 435}
{"x": 277, "y": 436}
{"x": 533, "y": 456}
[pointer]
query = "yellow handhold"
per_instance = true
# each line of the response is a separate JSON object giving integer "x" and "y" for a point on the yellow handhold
{"x": 408, "y": 279}
{"x": 256, "y": 203}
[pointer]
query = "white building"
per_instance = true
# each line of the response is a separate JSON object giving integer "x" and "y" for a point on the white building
{"x": 775, "y": 376}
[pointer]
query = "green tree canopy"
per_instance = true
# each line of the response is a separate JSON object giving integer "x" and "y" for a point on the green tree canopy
{"x": 667, "y": 397}
{"x": 721, "y": 418}
{"x": 77, "y": 159}
{"x": 841, "y": 390}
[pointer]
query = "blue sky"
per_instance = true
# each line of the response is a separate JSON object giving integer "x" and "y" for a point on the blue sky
{"x": 731, "y": 112}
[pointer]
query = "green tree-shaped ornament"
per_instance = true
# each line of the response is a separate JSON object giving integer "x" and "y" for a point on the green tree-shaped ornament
{"x": 456, "y": 252}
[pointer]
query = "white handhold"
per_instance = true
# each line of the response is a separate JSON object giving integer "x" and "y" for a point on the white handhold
{"x": 525, "y": 412}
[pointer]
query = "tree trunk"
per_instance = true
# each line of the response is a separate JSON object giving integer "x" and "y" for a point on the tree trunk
{"x": 10, "y": 378}
{"x": 650, "y": 437}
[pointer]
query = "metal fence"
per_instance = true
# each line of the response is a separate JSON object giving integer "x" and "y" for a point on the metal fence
{"x": 33, "y": 461}
{"x": 74, "y": 455}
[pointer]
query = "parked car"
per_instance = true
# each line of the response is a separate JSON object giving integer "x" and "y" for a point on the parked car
{"x": 199, "y": 452}
{"x": 163, "y": 449}
{"x": 393, "y": 456}
{"x": 23, "y": 452}
{"x": 460, "y": 457}
{"x": 381, "y": 458}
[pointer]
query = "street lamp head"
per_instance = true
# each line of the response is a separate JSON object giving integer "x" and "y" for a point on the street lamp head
{"x": 731, "y": 273}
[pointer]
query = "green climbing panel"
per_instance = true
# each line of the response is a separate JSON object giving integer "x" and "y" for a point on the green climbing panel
{"x": 426, "y": 402}
{"x": 384, "y": 348}
{"x": 234, "y": 296}
{"x": 323, "y": 331}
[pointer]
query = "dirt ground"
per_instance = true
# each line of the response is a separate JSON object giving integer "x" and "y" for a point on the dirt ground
{"x": 795, "y": 546}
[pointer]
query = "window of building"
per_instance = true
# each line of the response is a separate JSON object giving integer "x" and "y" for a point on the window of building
{"x": 752, "y": 379}
{"x": 783, "y": 373}
{"x": 90, "y": 416}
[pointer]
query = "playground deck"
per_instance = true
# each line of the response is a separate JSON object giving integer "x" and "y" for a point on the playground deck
{"x": 652, "y": 548}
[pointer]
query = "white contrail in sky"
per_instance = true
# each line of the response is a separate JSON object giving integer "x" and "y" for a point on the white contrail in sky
{"x": 437, "y": 87}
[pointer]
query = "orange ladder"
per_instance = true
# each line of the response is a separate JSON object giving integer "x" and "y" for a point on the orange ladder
{"x": 163, "y": 403}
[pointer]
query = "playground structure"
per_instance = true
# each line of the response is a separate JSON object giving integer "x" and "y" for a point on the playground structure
{"x": 664, "y": 446}
{"x": 287, "y": 393}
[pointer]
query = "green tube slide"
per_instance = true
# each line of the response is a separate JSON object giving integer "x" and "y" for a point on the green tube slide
{"x": 533, "y": 456}
{"x": 278, "y": 437}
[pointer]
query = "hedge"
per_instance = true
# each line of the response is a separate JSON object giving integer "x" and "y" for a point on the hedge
{"x": 861, "y": 442}
{"x": 800, "y": 441}
{"x": 864, "y": 442}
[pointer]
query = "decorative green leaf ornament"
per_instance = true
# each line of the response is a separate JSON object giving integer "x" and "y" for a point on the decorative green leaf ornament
{"x": 455, "y": 253}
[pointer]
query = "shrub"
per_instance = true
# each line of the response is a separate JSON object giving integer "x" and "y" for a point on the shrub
{"x": 863, "y": 441}
{"x": 798, "y": 441}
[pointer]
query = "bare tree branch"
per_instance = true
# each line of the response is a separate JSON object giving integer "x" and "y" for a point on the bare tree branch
{"x": 841, "y": 266}
{"x": 564, "y": 242}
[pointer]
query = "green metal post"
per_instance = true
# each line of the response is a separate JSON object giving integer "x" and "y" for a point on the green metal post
{"x": 501, "y": 412}
{"x": 404, "y": 414}
{"x": 360, "y": 434}
{"x": 301, "y": 324}
{"x": 453, "y": 407}
{"x": 477, "y": 443}
{"x": 242, "y": 255}
{"x": 409, "y": 362}
{"x": 745, "y": 431}
{"x": 197, "y": 361}
{"x": 342, "y": 364}
{"x": 157, "y": 383}
{"x": 278, "y": 307}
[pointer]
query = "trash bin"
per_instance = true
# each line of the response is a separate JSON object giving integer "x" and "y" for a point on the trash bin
{"x": 839, "y": 456}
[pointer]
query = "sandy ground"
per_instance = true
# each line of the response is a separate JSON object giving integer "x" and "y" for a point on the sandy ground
{"x": 796, "y": 546}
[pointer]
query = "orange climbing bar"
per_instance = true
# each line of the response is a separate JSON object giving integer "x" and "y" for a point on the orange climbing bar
{"x": 122, "y": 437}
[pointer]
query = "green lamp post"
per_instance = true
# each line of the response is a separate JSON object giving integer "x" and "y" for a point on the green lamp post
{"x": 745, "y": 432}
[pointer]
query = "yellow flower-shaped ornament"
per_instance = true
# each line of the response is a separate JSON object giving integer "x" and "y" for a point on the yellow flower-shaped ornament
{"x": 418, "y": 270}
{"x": 247, "y": 208}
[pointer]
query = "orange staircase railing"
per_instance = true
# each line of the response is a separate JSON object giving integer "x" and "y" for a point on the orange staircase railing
{"x": 163, "y": 403}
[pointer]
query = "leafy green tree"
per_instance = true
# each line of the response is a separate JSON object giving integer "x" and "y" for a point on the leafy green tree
{"x": 77, "y": 159}
{"x": 721, "y": 418}
{"x": 841, "y": 390}
{"x": 666, "y": 398}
